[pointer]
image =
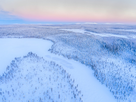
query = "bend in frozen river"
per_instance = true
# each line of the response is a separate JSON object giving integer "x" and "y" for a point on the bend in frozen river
{"x": 91, "y": 88}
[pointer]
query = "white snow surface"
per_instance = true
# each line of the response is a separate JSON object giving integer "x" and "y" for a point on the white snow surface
{"x": 96, "y": 34}
{"x": 90, "y": 87}
{"x": 129, "y": 30}
{"x": 13, "y": 47}
{"x": 75, "y": 30}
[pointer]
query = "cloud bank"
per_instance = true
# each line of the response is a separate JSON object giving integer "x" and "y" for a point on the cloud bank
{"x": 72, "y": 10}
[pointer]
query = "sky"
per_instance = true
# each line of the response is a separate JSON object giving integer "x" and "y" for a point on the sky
{"x": 24, "y": 11}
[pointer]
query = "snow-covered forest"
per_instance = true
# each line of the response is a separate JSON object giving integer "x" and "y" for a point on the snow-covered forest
{"x": 68, "y": 63}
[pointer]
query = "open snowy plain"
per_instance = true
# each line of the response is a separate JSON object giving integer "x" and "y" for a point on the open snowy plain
{"x": 67, "y": 63}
